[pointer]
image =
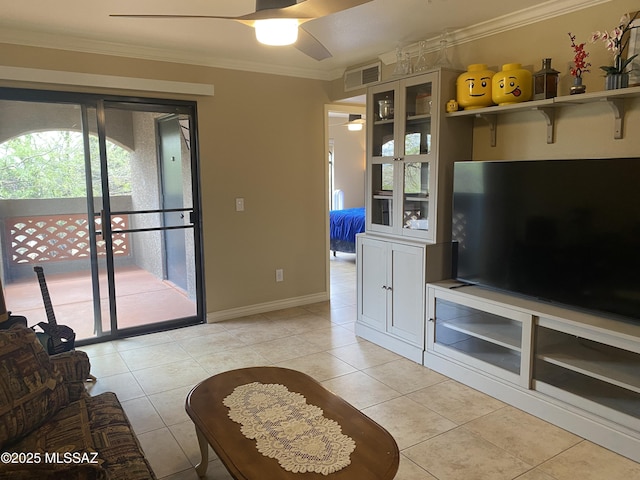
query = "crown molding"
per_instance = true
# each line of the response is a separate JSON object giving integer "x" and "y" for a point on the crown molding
{"x": 528, "y": 16}
{"x": 103, "y": 81}
{"x": 84, "y": 45}
{"x": 521, "y": 18}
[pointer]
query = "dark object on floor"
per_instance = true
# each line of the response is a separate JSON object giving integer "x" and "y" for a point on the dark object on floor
{"x": 54, "y": 338}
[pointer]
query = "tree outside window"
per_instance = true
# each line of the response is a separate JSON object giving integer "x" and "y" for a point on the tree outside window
{"x": 51, "y": 164}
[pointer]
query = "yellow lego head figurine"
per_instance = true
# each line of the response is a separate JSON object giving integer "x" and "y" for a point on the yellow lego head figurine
{"x": 473, "y": 87}
{"x": 512, "y": 85}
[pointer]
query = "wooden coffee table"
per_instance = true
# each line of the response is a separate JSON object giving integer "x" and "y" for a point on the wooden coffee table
{"x": 375, "y": 457}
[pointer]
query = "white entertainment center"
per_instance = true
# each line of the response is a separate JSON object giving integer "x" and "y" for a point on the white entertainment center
{"x": 577, "y": 370}
{"x": 574, "y": 369}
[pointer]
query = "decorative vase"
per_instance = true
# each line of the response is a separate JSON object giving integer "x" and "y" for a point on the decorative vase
{"x": 616, "y": 80}
{"x": 577, "y": 86}
{"x": 473, "y": 87}
{"x": 512, "y": 84}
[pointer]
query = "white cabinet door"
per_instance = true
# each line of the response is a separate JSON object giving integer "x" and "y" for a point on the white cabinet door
{"x": 407, "y": 293}
{"x": 391, "y": 283}
{"x": 372, "y": 272}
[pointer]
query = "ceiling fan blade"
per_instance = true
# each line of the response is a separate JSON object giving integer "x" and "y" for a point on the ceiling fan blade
{"x": 127, "y": 15}
{"x": 303, "y": 11}
{"x": 265, "y": 9}
{"x": 321, "y": 8}
{"x": 248, "y": 19}
{"x": 309, "y": 45}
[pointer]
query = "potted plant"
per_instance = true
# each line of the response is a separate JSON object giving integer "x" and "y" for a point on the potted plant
{"x": 580, "y": 65}
{"x": 616, "y": 41}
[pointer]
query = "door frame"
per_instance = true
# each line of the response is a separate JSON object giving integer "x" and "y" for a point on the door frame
{"x": 96, "y": 101}
{"x": 355, "y": 105}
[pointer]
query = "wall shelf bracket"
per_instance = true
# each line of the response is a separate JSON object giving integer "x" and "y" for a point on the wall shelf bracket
{"x": 617, "y": 105}
{"x": 549, "y": 115}
{"x": 491, "y": 121}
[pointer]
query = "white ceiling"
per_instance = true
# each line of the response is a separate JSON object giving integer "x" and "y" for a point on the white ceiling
{"x": 353, "y": 36}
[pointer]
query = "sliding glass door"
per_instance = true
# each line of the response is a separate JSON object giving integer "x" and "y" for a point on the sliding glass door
{"x": 102, "y": 194}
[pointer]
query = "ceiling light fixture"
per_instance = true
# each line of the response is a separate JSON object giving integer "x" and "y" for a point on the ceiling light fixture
{"x": 277, "y": 31}
{"x": 355, "y": 123}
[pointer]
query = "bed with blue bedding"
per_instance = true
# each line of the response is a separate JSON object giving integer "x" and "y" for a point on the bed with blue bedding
{"x": 343, "y": 227}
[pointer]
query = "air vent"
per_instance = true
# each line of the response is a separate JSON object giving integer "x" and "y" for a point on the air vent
{"x": 361, "y": 76}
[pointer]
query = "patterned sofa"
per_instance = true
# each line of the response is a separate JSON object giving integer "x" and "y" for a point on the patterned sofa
{"x": 50, "y": 427}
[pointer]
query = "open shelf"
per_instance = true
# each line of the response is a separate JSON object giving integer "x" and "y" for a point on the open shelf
{"x": 604, "y": 363}
{"x": 614, "y": 98}
{"x": 589, "y": 393}
{"x": 603, "y": 96}
{"x": 497, "y": 109}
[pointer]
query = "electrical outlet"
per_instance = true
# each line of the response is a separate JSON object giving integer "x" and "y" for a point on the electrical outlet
{"x": 239, "y": 204}
{"x": 279, "y": 275}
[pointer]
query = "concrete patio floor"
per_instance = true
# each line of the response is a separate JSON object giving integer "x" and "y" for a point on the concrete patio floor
{"x": 142, "y": 299}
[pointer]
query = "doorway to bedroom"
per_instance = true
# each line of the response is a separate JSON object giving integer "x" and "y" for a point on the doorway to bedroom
{"x": 102, "y": 193}
{"x": 346, "y": 157}
{"x": 346, "y": 163}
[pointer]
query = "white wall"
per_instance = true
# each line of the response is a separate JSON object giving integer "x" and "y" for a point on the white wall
{"x": 349, "y": 162}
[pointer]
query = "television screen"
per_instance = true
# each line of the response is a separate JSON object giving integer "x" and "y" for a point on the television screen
{"x": 565, "y": 231}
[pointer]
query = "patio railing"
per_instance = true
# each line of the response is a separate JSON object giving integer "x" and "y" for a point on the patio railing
{"x": 48, "y": 238}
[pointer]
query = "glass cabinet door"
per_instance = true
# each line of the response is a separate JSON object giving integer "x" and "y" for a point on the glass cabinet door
{"x": 417, "y": 147}
{"x": 489, "y": 338}
{"x": 383, "y": 159}
{"x": 382, "y": 188}
{"x": 383, "y": 133}
{"x": 401, "y": 164}
{"x": 415, "y": 195}
{"x": 480, "y": 334}
{"x": 417, "y": 124}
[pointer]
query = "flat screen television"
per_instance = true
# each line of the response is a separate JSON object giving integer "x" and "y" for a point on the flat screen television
{"x": 565, "y": 231}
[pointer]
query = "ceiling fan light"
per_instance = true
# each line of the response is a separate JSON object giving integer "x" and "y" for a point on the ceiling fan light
{"x": 355, "y": 123}
{"x": 277, "y": 31}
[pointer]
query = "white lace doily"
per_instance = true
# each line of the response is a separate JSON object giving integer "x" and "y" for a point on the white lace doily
{"x": 288, "y": 429}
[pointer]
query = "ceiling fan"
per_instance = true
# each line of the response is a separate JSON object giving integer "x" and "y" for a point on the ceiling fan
{"x": 282, "y": 18}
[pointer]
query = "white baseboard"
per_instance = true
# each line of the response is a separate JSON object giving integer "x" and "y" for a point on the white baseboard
{"x": 221, "y": 315}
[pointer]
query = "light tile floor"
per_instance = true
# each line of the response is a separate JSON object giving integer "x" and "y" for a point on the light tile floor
{"x": 445, "y": 430}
